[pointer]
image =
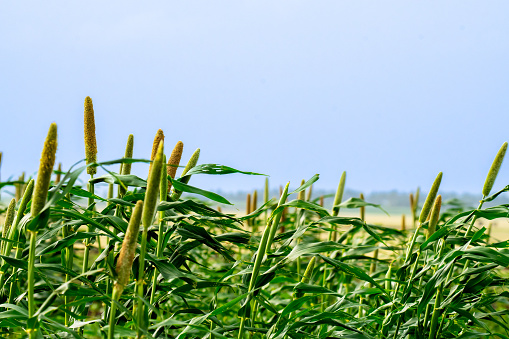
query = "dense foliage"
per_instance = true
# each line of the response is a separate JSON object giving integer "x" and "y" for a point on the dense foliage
{"x": 173, "y": 266}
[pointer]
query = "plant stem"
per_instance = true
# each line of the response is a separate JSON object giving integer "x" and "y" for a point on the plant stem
{"x": 89, "y": 228}
{"x": 114, "y": 299}
{"x": 31, "y": 279}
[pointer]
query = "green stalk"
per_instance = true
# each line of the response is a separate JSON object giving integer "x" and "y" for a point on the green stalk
{"x": 31, "y": 276}
{"x": 275, "y": 223}
{"x": 115, "y": 297}
{"x": 266, "y": 196}
{"x": 125, "y": 263}
{"x": 15, "y": 233}
{"x": 163, "y": 193}
{"x": 91, "y": 158}
{"x": 86, "y": 253}
{"x": 362, "y": 209}
{"x": 38, "y": 201}
{"x": 150, "y": 204}
{"x": 422, "y": 218}
{"x": 301, "y": 196}
{"x": 333, "y": 235}
{"x": 265, "y": 243}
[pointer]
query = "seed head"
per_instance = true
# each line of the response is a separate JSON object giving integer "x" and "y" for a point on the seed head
{"x": 190, "y": 164}
{"x": 339, "y": 194}
{"x": 362, "y": 209}
{"x": 307, "y": 276}
{"x": 152, "y": 191}
{"x": 430, "y": 198}
{"x": 495, "y": 167}
{"x": 128, "y": 250}
{"x": 254, "y": 203}
{"x": 45, "y": 170}
{"x": 9, "y": 218}
{"x": 302, "y": 194}
{"x": 57, "y": 179}
{"x": 20, "y": 186}
{"x": 90, "y": 140}
{"x": 29, "y": 190}
{"x": 158, "y": 138}
{"x": 248, "y": 203}
{"x": 310, "y": 193}
{"x": 309, "y": 271}
{"x": 435, "y": 213}
{"x": 126, "y": 167}
{"x": 416, "y": 198}
{"x": 174, "y": 161}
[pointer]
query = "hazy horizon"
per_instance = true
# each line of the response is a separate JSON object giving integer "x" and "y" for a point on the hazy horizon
{"x": 391, "y": 92}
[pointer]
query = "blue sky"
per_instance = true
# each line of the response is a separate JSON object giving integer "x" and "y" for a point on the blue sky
{"x": 390, "y": 91}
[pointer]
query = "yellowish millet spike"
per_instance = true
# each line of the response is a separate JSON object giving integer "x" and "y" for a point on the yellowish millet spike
{"x": 403, "y": 223}
{"x": 157, "y": 139}
{"x": 493, "y": 172}
{"x": 128, "y": 250}
{"x": 174, "y": 161}
{"x": 302, "y": 194}
{"x": 90, "y": 139}
{"x": 248, "y": 204}
{"x": 254, "y": 203}
{"x": 45, "y": 170}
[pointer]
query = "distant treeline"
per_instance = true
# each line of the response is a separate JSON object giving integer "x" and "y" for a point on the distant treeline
{"x": 387, "y": 199}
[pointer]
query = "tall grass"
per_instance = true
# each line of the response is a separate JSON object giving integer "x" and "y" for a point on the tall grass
{"x": 175, "y": 266}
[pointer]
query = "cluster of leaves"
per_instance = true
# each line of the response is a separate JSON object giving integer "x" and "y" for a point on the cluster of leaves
{"x": 204, "y": 271}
